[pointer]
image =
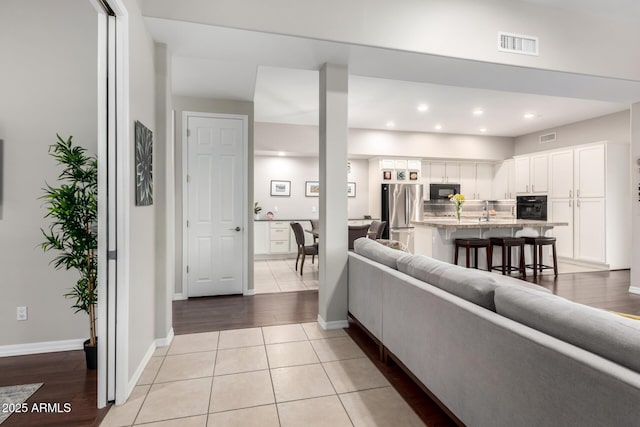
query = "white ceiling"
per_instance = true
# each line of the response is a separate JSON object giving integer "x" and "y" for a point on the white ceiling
{"x": 278, "y": 73}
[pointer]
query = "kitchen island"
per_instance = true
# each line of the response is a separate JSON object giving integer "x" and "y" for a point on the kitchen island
{"x": 435, "y": 236}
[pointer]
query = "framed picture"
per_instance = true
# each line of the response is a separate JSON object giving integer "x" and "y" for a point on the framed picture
{"x": 386, "y": 175}
{"x": 413, "y": 176}
{"x": 281, "y": 188}
{"x": 351, "y": 189}
{"x": 401, "y": 175}
{"x": 144, "y": 165}
{"x": 312, "y": 189}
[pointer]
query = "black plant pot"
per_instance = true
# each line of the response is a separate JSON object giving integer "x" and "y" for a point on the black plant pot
{"x": 91, "y": 355}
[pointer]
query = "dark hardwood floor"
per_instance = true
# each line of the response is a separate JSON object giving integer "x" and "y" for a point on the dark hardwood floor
{"x": 67, "y": 381}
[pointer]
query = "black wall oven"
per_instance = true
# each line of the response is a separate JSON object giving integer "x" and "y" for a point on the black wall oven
{"x": 531, "y": 207}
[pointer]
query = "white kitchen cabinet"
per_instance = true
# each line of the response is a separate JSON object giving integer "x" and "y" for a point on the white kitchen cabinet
{"x": 260, "y": 237}
{"x": 590, "y": 171}
{"x": 561, "y": 210}
{"x": 444, "y": 173}
{"x": 589, "y": 230}
{"x": 532, "y": 174}
{"x": 503, "y": 183}
{"x": 561, "y": 174}
{"x": 484, "y": 179}
{"x": 475, "y": 180}
{"x": 279, "y": 235}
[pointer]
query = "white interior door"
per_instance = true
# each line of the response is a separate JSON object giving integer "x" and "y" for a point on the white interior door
{"x": 216, "y": 214}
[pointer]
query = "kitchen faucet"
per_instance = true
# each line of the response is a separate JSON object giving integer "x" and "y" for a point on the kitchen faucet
{"x": 485, "y": 210}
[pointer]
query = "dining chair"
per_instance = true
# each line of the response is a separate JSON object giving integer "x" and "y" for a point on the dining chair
{"x": 375, "y": 229}
{"x": 315, "y": 225}
{"x": 356, "y": 232}
{"x": 303, "y": 250}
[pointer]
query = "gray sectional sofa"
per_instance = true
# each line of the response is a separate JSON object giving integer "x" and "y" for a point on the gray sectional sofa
{"x": 496, "y": 351}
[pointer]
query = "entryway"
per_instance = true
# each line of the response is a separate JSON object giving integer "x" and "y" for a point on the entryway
{"x": 215, "y": 204}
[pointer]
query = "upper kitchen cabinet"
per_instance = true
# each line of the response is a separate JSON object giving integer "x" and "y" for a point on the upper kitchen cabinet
{"x": 590, "y": 171}
{"x": 532, "y": 174}
{"x": 504, "y": 181}
{"x": 444, "y": 173}
{"x": 476, "y": 180}
{"x": 561, "y": 174}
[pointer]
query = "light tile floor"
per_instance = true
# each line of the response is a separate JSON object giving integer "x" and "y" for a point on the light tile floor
{"x": 289, "y": 375}
{"x": 271, "y": 276}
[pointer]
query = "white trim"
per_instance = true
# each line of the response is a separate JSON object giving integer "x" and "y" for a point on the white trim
{"x": 334, "y": 324}
{"x": 634, "y": 290}
{"x": 166, "y": 341}
{"x": 185, "y": 195}
{"x": 139, "y": 370}
{"x": 179, "y": 297}
{"x": 41, "y": 347}
{"x": 583, "y": 263}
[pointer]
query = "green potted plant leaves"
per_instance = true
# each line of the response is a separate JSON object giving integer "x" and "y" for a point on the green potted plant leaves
{"x": 256, "y": 210}
{"x": 73, "y": 208}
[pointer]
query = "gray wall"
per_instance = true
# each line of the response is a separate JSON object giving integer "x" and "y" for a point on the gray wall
{"x": 612, "y": 128}
{"x": 298, "y": 170}
{"x": 47, "y": 85}
{"x": 205, "y": 105}
{"x": 142, "y": 292}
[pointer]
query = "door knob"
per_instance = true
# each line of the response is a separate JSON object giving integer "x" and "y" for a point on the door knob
{"x": 236, "y": 229}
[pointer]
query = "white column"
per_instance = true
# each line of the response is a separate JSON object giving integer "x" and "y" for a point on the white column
{"x": 635, "y": 194}
{"x": 332, "y": 307}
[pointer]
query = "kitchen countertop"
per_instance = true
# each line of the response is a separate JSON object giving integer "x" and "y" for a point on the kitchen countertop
{"x": 308, "y": 219}
{"x": 452, "y": 223}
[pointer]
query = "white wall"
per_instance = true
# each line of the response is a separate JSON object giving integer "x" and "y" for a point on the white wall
{"x": 142, "y": 291}
{"x": 612, "y": 128}
{"x": 206, "y": 105}
{"x": 298, "y": 170}
{"x": 271, "y": 137}
{"x": 635, "y": 198}
{"x": 572, "y": 41}
{"x": 48, "y": 81}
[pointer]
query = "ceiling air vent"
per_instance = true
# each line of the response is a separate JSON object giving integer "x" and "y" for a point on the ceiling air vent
{"x": 517, "y": 43}
{"x": 547, "y": 137}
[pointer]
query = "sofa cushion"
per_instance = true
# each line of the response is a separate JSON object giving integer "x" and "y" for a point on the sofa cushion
{"x": 512, "y": 281}
{"x": 613, "y": 337}
{"x": 459, "y": 281}
{"x": 375, "y": 251}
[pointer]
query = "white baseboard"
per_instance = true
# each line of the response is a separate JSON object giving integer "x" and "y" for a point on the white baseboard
{"x": 334, "y": 324}
{"x": 634, "y": 290}
{"x": 138, "y": 372}
{"x": 41, "y": 347}
{"x": 249, "y": 292}
{"x": 166, "y": 341}
{"x": 179, "y": 297}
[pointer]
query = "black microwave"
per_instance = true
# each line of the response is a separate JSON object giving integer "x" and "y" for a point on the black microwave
{"x": 443, "y": 191}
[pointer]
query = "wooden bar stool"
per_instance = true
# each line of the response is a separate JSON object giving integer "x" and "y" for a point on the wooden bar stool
{"x": 536, "y": 245}
{"x": 507, "y": 243}
{"x": 475, "y": 244}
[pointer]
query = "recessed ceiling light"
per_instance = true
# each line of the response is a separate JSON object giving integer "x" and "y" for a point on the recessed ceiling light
{"x": 438, "y": 127}
{"x": 529, "y": 115}
{"x": 390, "y": 124}
{"x": 423, "y": 107}
{"x": 478, "y": 112}
{"x": 483, "y": 130}
{"x": 281, "y": 153}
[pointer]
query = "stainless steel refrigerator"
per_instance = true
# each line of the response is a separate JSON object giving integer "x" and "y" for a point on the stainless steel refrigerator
{"x": 401, "y": 204}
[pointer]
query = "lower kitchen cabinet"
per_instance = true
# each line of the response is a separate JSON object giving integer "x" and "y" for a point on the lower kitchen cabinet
{"x": 561, "y": 210}
{"x": 590, "y": 230}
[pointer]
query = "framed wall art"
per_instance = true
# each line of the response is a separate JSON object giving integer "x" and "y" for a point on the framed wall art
{"x": 351, "y": 189}
{"x": 386, "y": 175}
{"x": 281, "y": 188}
{"x": 144, "y": 165}
{"x": 312, "y": 189}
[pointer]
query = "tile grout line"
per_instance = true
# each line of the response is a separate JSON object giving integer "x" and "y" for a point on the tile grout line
{"x": 146, "y": 395}
{"x": 213, "y": 377}
{"x": 273, "y": 389}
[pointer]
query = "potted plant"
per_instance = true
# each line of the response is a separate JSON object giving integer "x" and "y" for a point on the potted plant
{"x": 73, "y": 208}
{"x": 256, "y": 210}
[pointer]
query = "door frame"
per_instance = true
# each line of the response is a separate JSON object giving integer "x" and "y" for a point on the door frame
{"x": 185, "y": 196}
{"x": 113, "y": 271}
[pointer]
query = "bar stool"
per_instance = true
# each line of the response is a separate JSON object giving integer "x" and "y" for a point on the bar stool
{"x": 536, "y": 245}
{"x": 507, "y": 243}
{"x": 475, "y": 244}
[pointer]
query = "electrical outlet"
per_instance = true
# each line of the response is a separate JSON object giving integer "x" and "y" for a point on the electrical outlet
{"x": 21, "y": 313}
{"x": 275, "y": 209}
{"x": 313, "y": 208}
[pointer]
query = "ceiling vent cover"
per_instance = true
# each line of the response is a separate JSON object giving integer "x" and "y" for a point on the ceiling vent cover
{"x": 517, "y": 43}
{"x": 547, "y": 137}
